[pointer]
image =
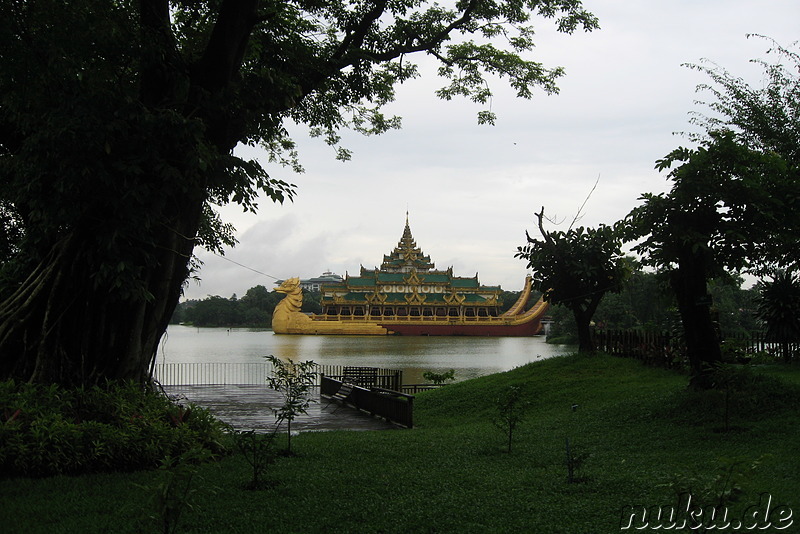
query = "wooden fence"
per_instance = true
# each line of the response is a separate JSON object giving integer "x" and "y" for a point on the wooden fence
{"x": 389, "y": 404}
{"x": 668, "y": 350}
{"x": 662, "y": 349}
{"x": 416, "y": 388}
{"x": 759, "y": 342}
{"x": 366, "y": 376}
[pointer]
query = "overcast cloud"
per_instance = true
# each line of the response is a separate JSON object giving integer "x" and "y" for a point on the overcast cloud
{"x": 471, "y": 191}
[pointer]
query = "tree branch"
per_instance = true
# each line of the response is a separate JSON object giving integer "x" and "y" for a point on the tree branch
{"x": 432, "y": 42}
{"x": 223, "y": 55}
{"x": 545, "y": 235}
{"x": 356, "y": 37}
{"x": 578, "y": 215}
{"x": 350, "y": 48}
{"x": 158, "y": 51}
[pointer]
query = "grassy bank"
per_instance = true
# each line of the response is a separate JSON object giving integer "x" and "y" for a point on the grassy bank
{"x": 637, "y": 436}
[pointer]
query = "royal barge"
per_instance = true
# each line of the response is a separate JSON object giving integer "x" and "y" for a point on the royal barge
{"x": 408, "y": 296}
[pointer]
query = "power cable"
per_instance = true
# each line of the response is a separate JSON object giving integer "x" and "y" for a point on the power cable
{"x": 245, "y": 266}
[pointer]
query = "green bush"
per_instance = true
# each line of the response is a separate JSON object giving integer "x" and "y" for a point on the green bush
{"x": 740, "y": 394}
{"x": 47, "y": 430}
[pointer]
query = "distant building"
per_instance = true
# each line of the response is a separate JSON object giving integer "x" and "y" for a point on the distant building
{"x": 315, "y": 284}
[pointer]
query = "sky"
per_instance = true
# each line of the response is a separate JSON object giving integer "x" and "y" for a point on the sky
{"x": 471, "y": 191}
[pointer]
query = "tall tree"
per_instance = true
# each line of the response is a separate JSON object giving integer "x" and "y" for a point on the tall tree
{"x": 726, "y": 205}
{"x": 118, "y": 122}
{"x": 732, "y": 201}
{"x": 576, "y": 269}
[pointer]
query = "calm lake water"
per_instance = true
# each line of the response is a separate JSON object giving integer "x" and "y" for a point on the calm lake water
{"x": 469, "y": 356}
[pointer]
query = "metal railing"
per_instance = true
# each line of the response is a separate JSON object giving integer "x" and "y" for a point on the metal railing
{"x": 253, "y": 373}
{"x": 186, "y": 374}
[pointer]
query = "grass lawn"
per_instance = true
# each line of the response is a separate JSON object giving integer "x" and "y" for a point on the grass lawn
{"x": 637, "y": 435}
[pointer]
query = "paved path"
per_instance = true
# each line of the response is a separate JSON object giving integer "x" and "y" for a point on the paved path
{"x": 248, "y": 407}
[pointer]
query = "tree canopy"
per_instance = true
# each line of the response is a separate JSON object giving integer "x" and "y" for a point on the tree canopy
{"x": 732, "y": 203}
{"x": 729, "y": 204}
{"x": 576, "y": 268}
{"x": 118, "y": 123}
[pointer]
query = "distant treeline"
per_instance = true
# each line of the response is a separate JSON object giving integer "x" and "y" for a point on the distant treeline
{"x": 254, "y": 309}
{"x": 643, "y": 303}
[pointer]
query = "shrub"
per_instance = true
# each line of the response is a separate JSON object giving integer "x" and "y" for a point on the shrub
{"x": 740, "y": 395}
{"x": 176, "y": 489}
{"x": 293, "y": 380}
{"x": 47, "y": 430}
{"x": 510, "y": 412}
{"x": 439, "y": 379}
{"x": 259, "y": 451}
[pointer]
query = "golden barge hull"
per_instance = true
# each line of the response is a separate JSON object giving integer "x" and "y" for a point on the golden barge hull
{"x": 412, "y": 328}
{"x": 514, "y": 322}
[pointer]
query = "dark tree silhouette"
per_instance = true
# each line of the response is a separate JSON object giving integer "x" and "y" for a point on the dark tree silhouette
{"x": 732, "y": 203}
{"x": 118, "y": 123}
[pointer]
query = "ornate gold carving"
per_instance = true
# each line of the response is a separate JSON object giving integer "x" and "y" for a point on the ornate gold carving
{"x": 415, "y": 298}
{"x": 412, "y": 279}
{"x": 454, "y": 298}
{"x": 376, "y": 298}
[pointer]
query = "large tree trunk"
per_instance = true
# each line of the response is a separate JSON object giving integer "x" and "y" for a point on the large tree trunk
{"x": 62, "y": 326}
{"x": 583, "y": 314}
{"x": 583, "y": 322}
{"x": 690, "y": 284}
{"x": 77, "y": 321}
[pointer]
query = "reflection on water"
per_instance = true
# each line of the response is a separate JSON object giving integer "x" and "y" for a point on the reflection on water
{"x": 469, "y": 356}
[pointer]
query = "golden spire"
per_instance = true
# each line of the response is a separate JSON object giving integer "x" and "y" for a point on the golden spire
{"x": 406, "y": 255}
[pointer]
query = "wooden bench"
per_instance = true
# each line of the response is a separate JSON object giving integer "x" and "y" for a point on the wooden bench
{"x": 344, "y": 392}
{"x": 341, "y": 394}
{"x": 360, "y": 376}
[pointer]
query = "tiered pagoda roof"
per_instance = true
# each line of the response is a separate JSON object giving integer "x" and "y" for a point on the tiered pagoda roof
{"x": 406, "y": 256}
{"x": 407, "y": 277}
